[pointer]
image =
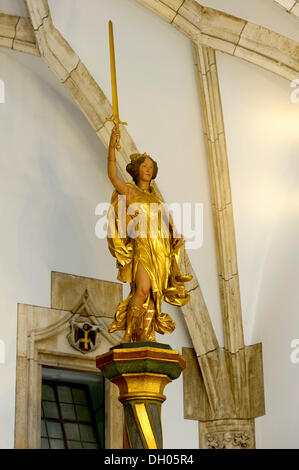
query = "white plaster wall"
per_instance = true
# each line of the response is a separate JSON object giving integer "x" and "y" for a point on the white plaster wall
{"x": 261, "y": 126}
{"x": 13, "y": 7}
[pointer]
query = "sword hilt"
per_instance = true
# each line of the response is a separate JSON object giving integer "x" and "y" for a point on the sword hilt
{"x": 117, "y": 122}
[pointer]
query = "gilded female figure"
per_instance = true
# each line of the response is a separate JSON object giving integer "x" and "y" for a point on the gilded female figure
{"x": 148, "y": 260}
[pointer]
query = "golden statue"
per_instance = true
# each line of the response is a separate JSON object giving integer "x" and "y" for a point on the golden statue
{"x": 147, "y": 258}
{"x": 149, "y": 263}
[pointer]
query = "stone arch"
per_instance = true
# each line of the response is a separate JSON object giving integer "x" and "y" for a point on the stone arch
{"x": 16, "y": 33}
{"x": 229, "y": 34}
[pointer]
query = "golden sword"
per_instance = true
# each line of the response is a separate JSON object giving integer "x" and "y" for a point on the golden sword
{"x": 115, "y": 116}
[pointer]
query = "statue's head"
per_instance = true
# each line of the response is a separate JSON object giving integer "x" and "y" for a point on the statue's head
{"x": 142, "y": 165}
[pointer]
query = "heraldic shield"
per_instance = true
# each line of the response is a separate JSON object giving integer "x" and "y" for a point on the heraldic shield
{"x": 84, "y": 337}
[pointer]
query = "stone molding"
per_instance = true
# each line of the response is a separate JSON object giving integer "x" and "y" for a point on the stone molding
{"x": 16, "y": 33}
{"x": 228, "y": 434}
{"x": 234, "y": 390}
{"x": 42, "y": 341}
{"x": 85, "y": 295}
{"x": 221, "y": 198}
{"x": 235, "y": 36}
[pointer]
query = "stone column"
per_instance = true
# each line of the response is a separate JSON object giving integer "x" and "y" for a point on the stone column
{"x": 141, "y": 371}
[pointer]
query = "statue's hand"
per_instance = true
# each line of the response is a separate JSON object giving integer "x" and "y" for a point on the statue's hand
{"x": 178, "y": 242}
{"x": 115, "y": 136}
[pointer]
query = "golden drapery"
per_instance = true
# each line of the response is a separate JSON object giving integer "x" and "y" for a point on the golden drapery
{"x": 139, "y": 235}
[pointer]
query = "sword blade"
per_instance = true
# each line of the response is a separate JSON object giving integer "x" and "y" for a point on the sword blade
{"x": 113, "y": 74}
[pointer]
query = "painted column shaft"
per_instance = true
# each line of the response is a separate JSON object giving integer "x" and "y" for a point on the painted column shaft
{"x": 141, "y": 371}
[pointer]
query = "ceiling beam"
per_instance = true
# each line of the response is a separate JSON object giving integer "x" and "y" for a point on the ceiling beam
{"x": 16, "y": 33}
{"x": 235, "y": 36}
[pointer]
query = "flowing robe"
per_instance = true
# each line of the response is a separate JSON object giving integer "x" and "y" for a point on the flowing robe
{"x": 140, "y": 235}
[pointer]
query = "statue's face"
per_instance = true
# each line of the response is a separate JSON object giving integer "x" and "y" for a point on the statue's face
{"x": 146, "y": 170}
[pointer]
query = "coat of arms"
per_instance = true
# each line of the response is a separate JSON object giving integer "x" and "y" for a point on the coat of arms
{"x": 84, "y": 337}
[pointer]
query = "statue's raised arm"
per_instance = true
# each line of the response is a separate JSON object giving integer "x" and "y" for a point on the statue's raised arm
{"x": 120, "y": 186}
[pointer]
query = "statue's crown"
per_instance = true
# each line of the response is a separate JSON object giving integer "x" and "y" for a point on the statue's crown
{"x": 135, "y": 156}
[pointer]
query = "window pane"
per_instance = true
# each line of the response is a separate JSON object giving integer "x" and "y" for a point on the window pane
{"x": 87, "y": 433}
{"x": 82, "y": 413}
{"x": 54, "y": 429}
{"x": 89, "y": 445}
{"x": 74, "y": 445}
{"x": 64, "y": 394}
{"x": 72, "y": 431}
{"x": 57, "y": 444}
{"x": 48, "y": 392}
{"x": 50, "y": 409}
{"x": 79, "y": 396}
{"x": 67, "y": 411}
{"x": 68, "y": 414}
{"x": 44, "y": 444}
{"x": 43, "y": 431}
